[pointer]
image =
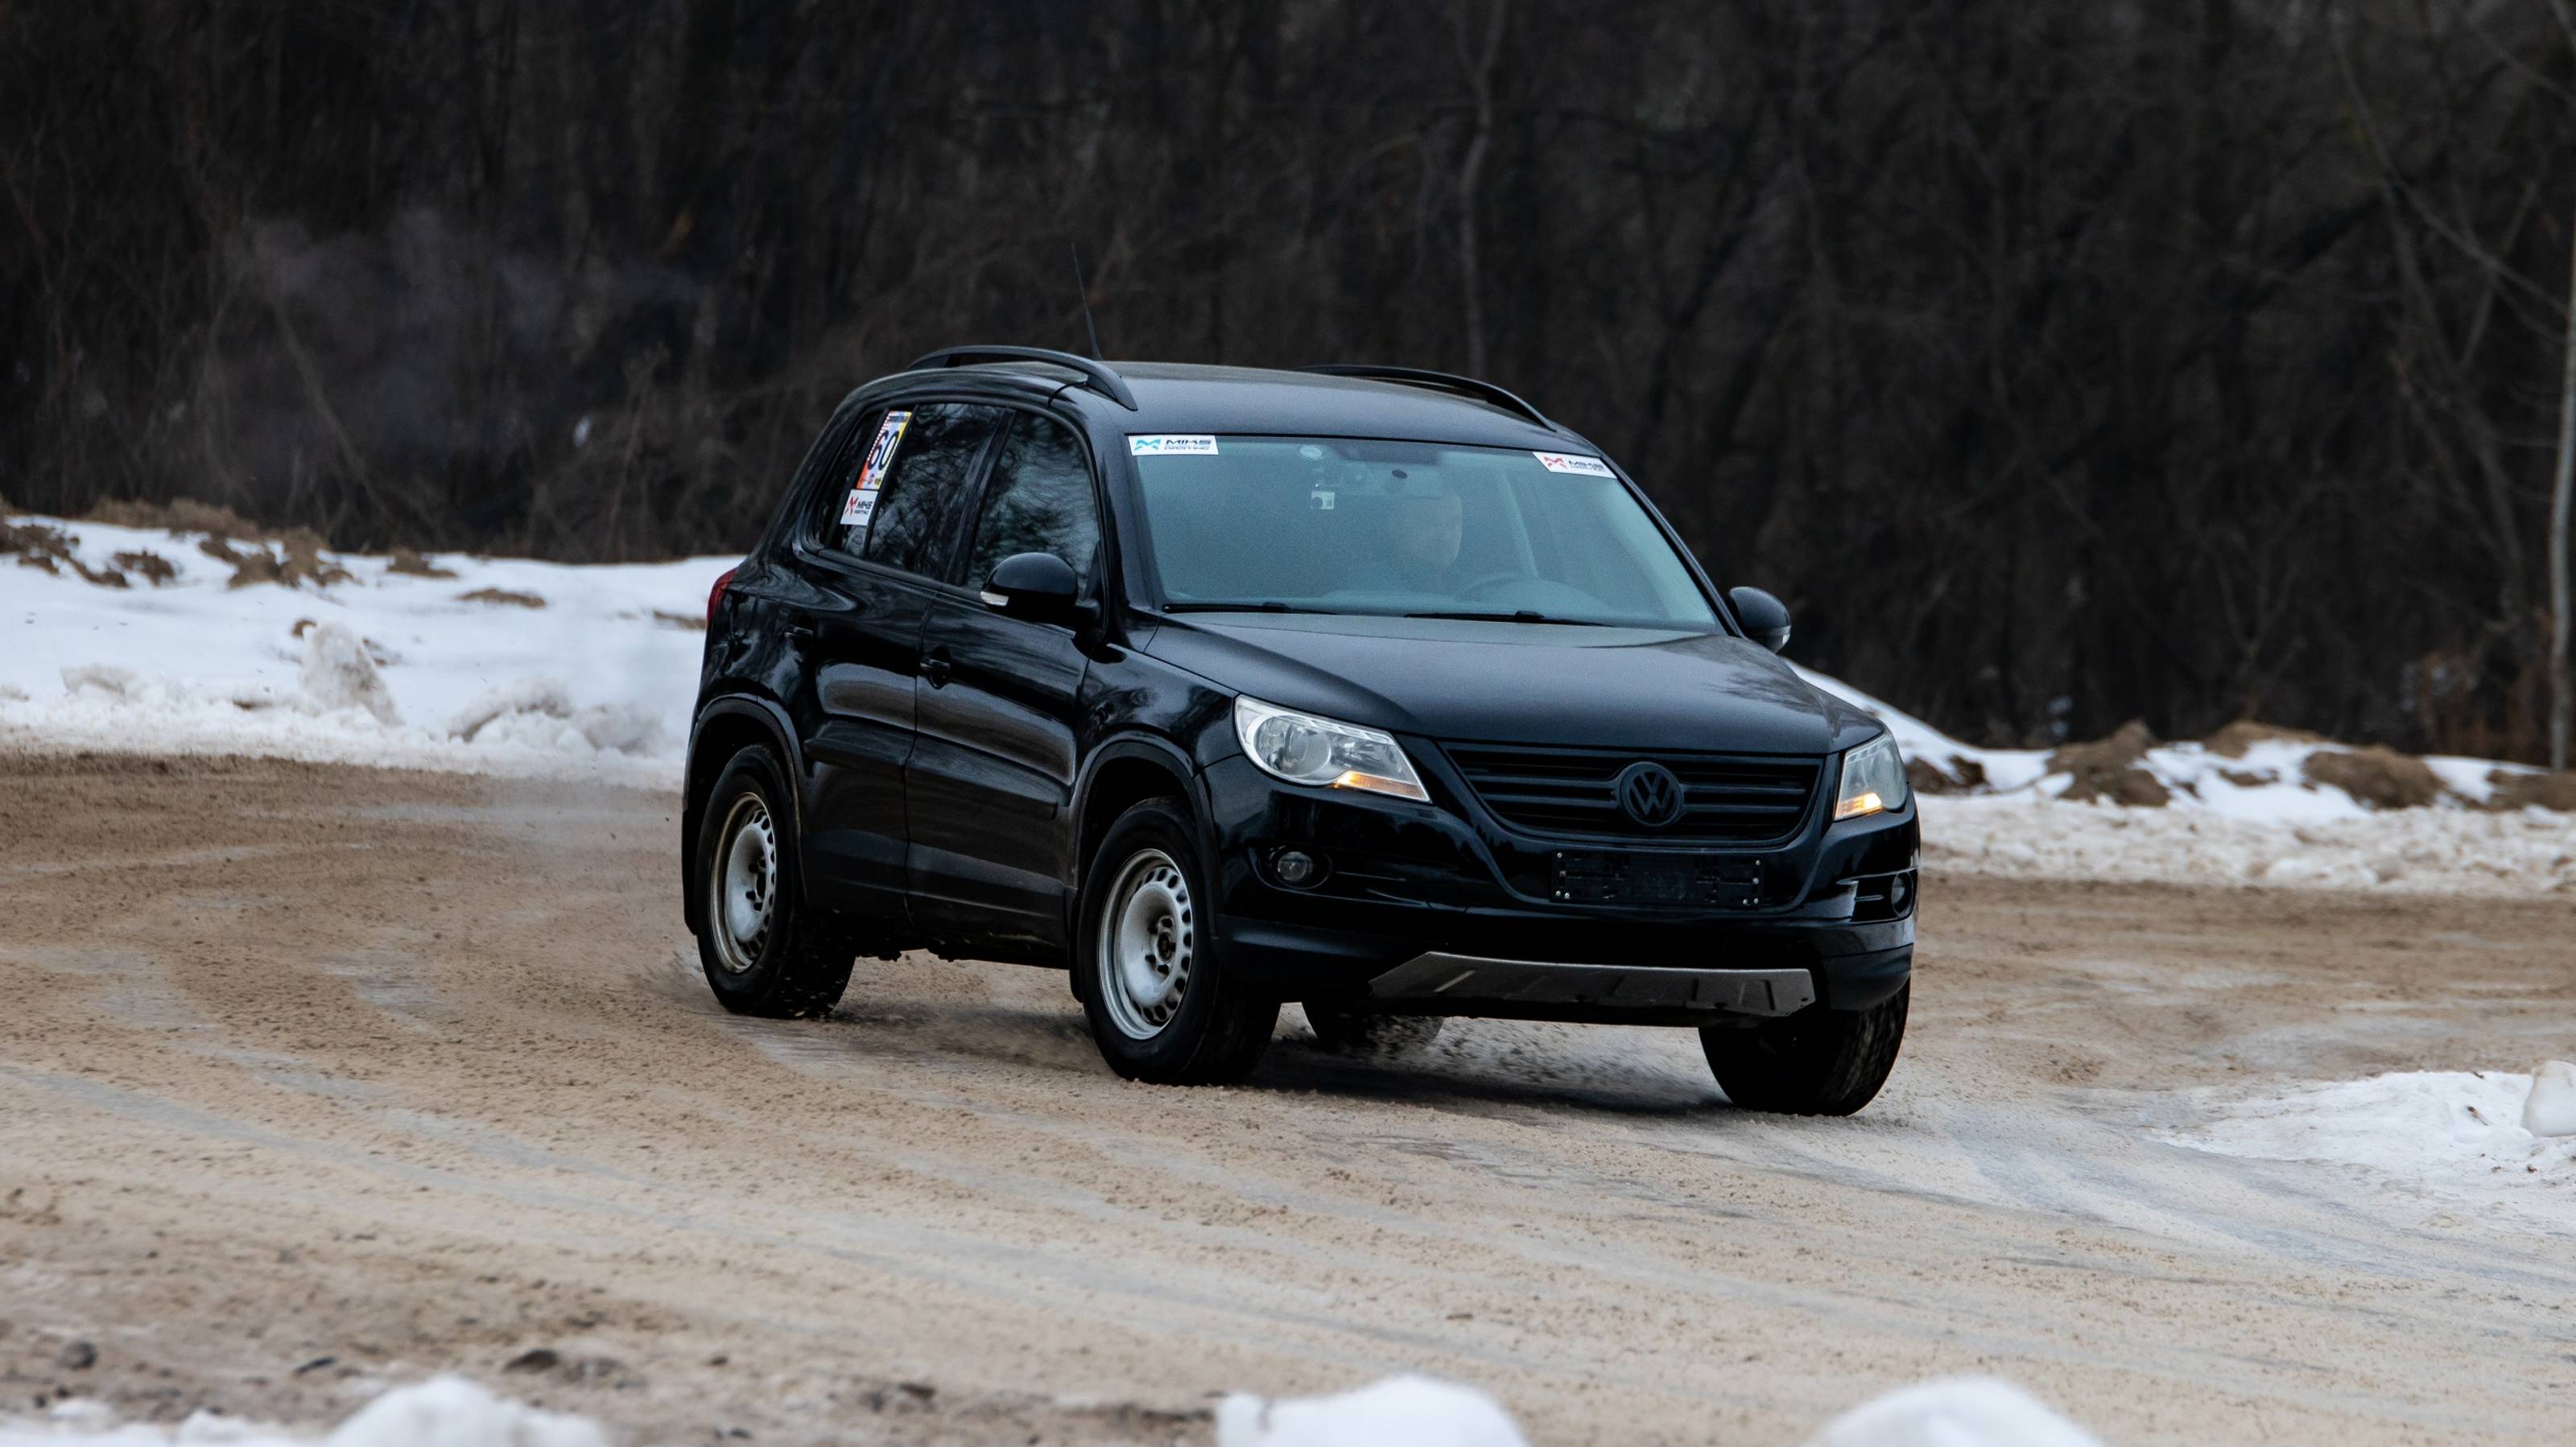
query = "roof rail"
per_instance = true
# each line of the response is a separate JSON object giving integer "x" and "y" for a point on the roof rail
{"x": 1446, "y": 381}
{"x": 1095, "y": 375}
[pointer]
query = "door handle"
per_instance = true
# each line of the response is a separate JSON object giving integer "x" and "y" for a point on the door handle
{"x": 936, "y": 667}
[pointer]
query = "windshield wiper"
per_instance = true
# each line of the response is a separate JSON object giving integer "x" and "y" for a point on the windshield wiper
{"x": 1523, "y": 615}
{"x": 1266, "y": 605}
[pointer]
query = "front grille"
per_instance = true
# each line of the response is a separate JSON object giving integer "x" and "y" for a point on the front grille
{"x": 1725, "y": 798}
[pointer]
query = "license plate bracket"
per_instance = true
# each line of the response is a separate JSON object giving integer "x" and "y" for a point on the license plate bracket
{"x": 1701, "y": 881}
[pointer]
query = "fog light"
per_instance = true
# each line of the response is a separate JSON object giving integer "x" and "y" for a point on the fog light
{"x": 1296, "y": 868}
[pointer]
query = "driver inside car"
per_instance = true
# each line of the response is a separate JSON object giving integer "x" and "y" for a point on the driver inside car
{"x": 1426, "y": 522}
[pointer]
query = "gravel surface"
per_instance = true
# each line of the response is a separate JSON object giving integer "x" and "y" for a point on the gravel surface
{"x": 316, "y": 1079}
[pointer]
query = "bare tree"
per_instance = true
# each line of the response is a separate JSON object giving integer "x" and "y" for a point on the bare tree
{"x": 2062, "y": 364}
{"x": 1479, "y": 63}
{"x": 2562, "y": 498}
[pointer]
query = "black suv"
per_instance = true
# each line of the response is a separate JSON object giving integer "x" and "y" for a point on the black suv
{"x": 1361, "y": 687}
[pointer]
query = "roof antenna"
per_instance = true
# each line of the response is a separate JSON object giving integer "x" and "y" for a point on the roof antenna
{"x": 1084, "y": 294}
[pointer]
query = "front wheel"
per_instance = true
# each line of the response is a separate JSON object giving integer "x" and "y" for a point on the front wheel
{"x": 1160, "y": 1007}
{"x": 1816, "y": 1062}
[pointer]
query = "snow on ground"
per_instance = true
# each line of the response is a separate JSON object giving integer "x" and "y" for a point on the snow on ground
{"x": 2253, "y": 818}
{"x": 1402, "y": 1411}
{"x": 1399, "y": 1411}
{"x": 1956, "y": 1412}
{"x": 2450, "y": 1137}
{"x": 2266, "y": 781}
{"x": 441, "y": 1412}
{"x": 508, "y": 666}
{"x": 1411, "y": 1411}
{"x": 516, "y": 667}
{"x": 2433, "y": 850}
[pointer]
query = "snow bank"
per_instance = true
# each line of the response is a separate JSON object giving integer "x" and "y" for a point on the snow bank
{"x": 1957, "y": 1412}
{"x": 490, "y": 665}
{"x": 441, "y": 1412}
{"x": 2550, "y": 1109}
{"x": 1400, "y": 1411}
{"x": 2451, "y": 1136}
{"x": 1411, "y": 1411}
{"x": 2257, "y": 816}
{"x": 515, "y": 667}
{"x": 2265, "y": 776}
{"x": 2530, "y": 852}
{"x": 1405, "y": 1411}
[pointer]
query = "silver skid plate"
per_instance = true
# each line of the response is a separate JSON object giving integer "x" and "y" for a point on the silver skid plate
{"x": 1438, "y": 976}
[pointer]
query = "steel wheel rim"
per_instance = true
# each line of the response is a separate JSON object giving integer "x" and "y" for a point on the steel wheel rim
{"x": 742, "y": 887}
{"x": 1148, "y": 942}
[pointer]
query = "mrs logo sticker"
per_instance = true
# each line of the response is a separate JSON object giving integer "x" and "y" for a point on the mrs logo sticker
{"x": 1575, "y": 463}
{"x": 1183, "y": 446}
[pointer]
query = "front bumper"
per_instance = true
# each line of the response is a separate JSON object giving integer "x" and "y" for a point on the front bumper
{"x": 1438, "y": 909}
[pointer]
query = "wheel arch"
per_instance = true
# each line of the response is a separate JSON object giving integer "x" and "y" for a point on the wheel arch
{"x": 725, "y": 727}
{"x": 1123, "y": 773}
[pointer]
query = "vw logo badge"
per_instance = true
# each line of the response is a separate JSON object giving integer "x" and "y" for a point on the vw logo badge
{"x": 1650, "y": 794}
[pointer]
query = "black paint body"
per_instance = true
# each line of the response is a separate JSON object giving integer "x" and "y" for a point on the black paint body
{"x": 954, "y": 761}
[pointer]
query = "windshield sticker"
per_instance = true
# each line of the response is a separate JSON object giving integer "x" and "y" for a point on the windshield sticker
{"x": 862, "y": 501}
{"x": 1574, "y": 462}
{"x": 1190, "y": 446}
{"x": 1321, "y": 499}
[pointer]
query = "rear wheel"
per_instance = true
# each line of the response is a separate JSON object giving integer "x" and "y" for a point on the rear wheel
{"x": 1351, "y": 1032}
{"x": 764, "y": 951}
{"x": 1160, "y": 1006}
{"x": 1816, "y": 1062}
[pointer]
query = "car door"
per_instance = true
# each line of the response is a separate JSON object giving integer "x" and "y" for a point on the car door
{"x": 990, "y": 787}
{"x": 890, "y": 532}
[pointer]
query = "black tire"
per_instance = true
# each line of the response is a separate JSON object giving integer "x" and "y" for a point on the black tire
{"x": 1350, "y": 1032}
{"x": 1206, "y": 1027}
{"x": 799, "y": 962}
{"x": 1816, "y": 1062}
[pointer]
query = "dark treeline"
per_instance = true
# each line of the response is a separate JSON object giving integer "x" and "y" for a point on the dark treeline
{"x": 2060, "y": 364}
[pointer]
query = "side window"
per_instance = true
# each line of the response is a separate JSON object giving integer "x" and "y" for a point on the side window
{"x": 905, "y": 490}
{"x": 1038, "y": 501}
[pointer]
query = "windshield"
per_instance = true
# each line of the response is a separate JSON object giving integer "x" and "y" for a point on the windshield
{"x": 1341, "y": 525}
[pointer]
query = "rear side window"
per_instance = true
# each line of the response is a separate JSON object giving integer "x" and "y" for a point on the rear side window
{"x": 904, "y": 485}
{"x": 1038, "y": 501}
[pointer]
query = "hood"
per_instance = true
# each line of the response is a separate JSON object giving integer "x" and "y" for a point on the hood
{"x": 1526, "y": 683}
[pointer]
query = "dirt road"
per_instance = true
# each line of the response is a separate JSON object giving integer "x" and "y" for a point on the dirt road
{"x": 313, "y": 1080}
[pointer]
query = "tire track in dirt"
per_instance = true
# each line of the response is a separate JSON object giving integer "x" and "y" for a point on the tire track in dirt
{"x": 412, "y": 1071}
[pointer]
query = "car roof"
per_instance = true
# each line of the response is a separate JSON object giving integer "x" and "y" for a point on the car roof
{"x": 1181, "y": 397}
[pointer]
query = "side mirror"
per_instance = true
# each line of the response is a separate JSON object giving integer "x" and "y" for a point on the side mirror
{"x": 1765, "y": 618}
{"x": 1038, "y": 586}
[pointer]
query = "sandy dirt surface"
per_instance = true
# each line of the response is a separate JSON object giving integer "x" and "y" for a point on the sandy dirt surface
{"x": 314, "y": 1080}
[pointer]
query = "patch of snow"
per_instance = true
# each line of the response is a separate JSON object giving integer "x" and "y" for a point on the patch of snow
{"x": 2550, "y": 1109}
{"x": 2267, "y": 784}
{"x": 1956, "y": 1412}
{"x": 441, "y": 1412}
{"x": 338, "y": 674}
{"x": 1402, "y": 1411}
{"x": 2006, "y": 770}
{"x": 393, "y": 668}
{"x": 2399, "y": 851}
{"x": 2454, "y": 1136}
{"x": 2471, "y": 779}
{"x": 597, "y": 680}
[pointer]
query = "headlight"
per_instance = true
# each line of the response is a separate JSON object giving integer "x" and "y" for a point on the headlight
{"x": 1304, "y": 749}
{"x": 1873, "y": 779}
